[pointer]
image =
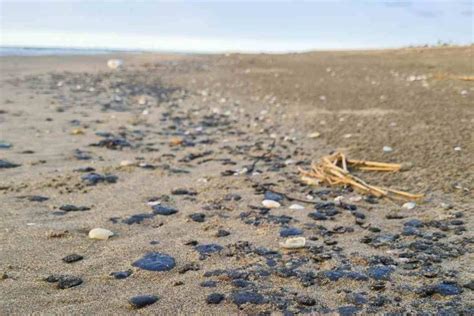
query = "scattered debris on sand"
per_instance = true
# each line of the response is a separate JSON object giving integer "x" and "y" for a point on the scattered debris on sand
{"x": 333, "y": 170}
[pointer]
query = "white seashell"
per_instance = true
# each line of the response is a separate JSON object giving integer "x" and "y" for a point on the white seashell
{"x": 357, "y": 198}
{"x": 293, "y": 243}
{"x": 314, "y": 135}
{"x": 100, "y": 233}
{"x": 153, "y": 203}
{"x": 115, "y": 63}
{"x": 387, "y": 149}
{"x": 409, "y": 205}
{"x": 126, "y": 163}
{"x": 142, "y": 100}
{"x": 296, "y": 207}
{"x": 338, "y": 199}
{"x": 270, "y": 204}
{"x": 241, "y": 171}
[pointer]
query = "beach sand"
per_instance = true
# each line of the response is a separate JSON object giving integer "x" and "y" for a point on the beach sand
{"x": 201, "y": 123}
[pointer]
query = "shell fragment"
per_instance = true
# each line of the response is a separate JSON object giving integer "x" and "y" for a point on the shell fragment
{"x": 293, "y": 243}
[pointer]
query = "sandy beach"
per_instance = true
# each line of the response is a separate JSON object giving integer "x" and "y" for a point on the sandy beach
{"x": 174, "y": 154}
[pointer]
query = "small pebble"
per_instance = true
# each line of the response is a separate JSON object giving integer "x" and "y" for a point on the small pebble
{"x": 387, "y": 149}
{"x": 269, "y": 195}
{"x": 198, "y": 217}
{"x": 68, "y": 281}
{"x": 141, "y": 301}
{"x": 409, "y": 205}
{"x": 314, "y": 135}
{"x": 241, "y": 298}
{"x": 73, "y": 208}
{"x": 155, "y": 261}
{"x": 120, "y": 275}
{"x": 100, "y": 234}
{"x": 305, "y": 300}
{"x": 290, "y": 231}
{"x": 5, "y": 164}
{"x": 209, "y": 283}
{"x": 72, "y": 258}
{"x": 222, "y": 233}
{"x": 215, "y": 298}
{"x": 164, "y": 210}
{"x": 127, "y": 163}
{"x": 115, "y": 64}
{"x": 296, "y": 207}
{"x": 208, "y": 248}
{"x": 270, "y": 204}
{"x": 5, "y": 145}
{"x": 293, "y": 243}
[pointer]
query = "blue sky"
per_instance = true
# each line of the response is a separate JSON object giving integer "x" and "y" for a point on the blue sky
{"x": 235, "y": 26}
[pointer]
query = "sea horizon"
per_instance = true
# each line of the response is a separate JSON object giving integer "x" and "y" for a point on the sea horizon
{"x": 12, "y": 50}
{"x": 6, "y": 51}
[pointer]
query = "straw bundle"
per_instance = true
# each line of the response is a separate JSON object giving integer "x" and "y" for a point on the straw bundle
{"x": 333, "y": 170}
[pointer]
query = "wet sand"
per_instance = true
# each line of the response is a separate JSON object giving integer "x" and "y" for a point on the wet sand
{"x": 225, "y": 130}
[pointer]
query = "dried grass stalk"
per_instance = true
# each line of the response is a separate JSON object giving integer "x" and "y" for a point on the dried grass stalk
{"x": 466, "y": 78}
{"x": 333, "y": 170}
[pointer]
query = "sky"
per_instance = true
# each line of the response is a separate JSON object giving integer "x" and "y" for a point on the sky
{"x": 234, "y": 26}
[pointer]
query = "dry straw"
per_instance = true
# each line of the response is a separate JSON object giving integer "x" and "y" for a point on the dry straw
{"x": 333, "y": 170}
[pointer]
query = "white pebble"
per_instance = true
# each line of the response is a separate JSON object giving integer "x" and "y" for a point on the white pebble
{"x": 457, "y": 148}
{"x": 293, "y": 243}
{"x": 270, "y": 203}
{"x": 338, "y": 199}
{"x": 114, "y": 63}
{"x": 387, "y": 149}
{"x": 142, "y": 100}
{"x": 100, "y": 233}
{"x": 296, "y": 207}
{"x": 409, "y": 205}
{"x": 314, "y": 135}
{"x": 153, "y": 203}
{"x": 126, "y": 163}
{"x": 357, "y": 198}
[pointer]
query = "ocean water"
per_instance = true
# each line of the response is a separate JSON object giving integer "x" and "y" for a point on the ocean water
{"x": 51, "y": 51}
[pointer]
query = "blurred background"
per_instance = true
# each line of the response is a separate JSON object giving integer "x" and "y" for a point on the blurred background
{"x": 245, "y": 26}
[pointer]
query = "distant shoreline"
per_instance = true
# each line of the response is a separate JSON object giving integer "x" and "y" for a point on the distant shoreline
{"x": 27, "y": 51}
{"x": 6, "y": 51}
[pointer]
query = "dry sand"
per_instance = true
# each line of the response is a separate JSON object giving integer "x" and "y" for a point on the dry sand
{"x": 204, "y": 121}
